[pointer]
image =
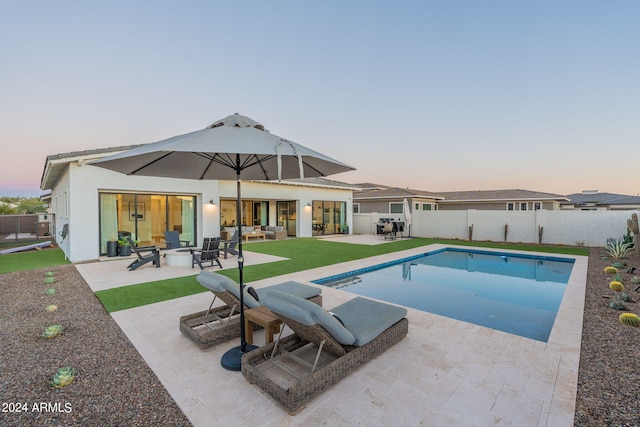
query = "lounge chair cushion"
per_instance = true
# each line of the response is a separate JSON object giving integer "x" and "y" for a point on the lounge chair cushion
{"x": 366, "y": 319}
{"x": 213, "y": 281}
{"x": 290, "y": 287}
{"x": 307, "y": 313}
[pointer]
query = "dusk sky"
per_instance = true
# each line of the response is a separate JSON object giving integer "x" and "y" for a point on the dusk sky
{"x": 431, "y": 95}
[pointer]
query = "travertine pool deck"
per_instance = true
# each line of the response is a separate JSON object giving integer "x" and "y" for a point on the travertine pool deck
{"x": 444, "y": 373}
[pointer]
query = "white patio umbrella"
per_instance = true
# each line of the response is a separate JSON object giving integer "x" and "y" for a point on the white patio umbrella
{"x": 235, "y": 147}
{"x": 406, "y": 210}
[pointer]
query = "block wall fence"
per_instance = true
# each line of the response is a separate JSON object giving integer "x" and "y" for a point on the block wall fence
{"x": 573, "y": 228}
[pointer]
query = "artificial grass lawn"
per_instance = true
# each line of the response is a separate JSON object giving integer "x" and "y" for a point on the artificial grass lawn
{"x": 302, "y": 254}
{"x": 20, "y": 261}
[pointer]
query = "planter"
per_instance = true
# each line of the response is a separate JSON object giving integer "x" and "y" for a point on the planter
{"x": 112, "y": 249}
{"x": 125, "y": 250}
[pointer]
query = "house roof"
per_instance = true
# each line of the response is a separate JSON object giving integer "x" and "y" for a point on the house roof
{"x": 602, "y": 199}
{"x": 56, "y": 164}
{"x": 374, "y": 191}
{"x": 498, "y": 195}
{"x": 317, "y": 182}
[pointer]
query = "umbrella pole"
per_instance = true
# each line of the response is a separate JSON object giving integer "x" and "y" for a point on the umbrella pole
{"x": 232, "y": 359}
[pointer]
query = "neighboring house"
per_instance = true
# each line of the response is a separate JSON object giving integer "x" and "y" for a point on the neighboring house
{"x": 591, "y": 200}
{"x": 90, "y": 205}
{"x": 509, "y": 200}
{"x": 375, "y": 198}
{"x": 384, "y": 199}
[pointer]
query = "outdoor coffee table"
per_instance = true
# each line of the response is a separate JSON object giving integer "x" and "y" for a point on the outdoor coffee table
{"x": 264, "y": 317}
{"x": 255, "y": 235}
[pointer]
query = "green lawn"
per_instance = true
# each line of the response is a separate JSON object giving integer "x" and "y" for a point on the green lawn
{"x": 20, "y": 261}
{"x": 302, "y": 254}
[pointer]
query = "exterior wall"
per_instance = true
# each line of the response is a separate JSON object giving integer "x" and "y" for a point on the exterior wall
{"x": 75, "y": 202}
{"x": 303, "y": 195}
{"x": 590, "y": 228}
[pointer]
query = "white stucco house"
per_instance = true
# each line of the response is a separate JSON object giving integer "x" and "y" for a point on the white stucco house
{"x": 91, "y": 205}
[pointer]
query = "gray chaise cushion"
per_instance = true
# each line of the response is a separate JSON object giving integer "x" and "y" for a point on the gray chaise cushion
{"x": 293, "y": 288}
{"x": 307, "y": 313}
{"x": 366, "y": 319}
{"x": 213, "y": 281}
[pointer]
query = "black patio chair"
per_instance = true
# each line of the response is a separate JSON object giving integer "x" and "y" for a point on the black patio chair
{"x": 229, "y": 246}
{"x": 172, "y": 239}
{"x": 144, "y": 254}
{"x": 209, "y": 253}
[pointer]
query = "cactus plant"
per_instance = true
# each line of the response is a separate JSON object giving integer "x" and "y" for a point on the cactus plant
{"x": 51, "y": 308}
{"x": 49, "y": 280}
{"x": 63, "y": 377}
{"x": 632, "y": 225}
{"x": 49, "y": 274}
{"x": 617, "y": 303}
{"x": 630, "y": 319}
{"x": 51, "y": 291}
{"x": 610, "y": 270}
{"x": 52, "y": 331}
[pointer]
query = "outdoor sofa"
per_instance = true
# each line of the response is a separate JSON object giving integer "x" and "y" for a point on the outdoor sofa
{"x": 218, "y": 324}
{"x": 335, "y": 343}
{"x": 274, "y": 232}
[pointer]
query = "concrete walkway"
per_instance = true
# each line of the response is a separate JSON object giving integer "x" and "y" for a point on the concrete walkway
{"x": 444, "y": 373}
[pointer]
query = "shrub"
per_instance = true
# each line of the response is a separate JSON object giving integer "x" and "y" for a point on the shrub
{"x": 617, "y": 249}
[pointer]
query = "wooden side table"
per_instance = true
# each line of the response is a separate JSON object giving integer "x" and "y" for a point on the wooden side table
{"x": 264, "y": 317}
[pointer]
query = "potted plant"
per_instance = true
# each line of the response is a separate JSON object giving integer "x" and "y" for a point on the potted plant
{"x": 124, "y": 247}
{"x": 112, "y": 247}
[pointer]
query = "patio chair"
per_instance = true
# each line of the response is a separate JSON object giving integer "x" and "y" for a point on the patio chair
{"x": 352, "y": 334}
{"x": 144, "y": 255}
{"x": 172, "y": 239}
{"x": 208, "y": 254}
{"x": 218, "y": 324}
{"x": 229, "y": 246}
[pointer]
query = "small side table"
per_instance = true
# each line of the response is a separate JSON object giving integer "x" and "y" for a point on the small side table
{"x": 264, "y": 317}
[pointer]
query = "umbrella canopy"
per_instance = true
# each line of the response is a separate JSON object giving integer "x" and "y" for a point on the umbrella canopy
{"x": 235, "y": 147}
{"x": 406, "y": 210}
{"x": 199, "y": 155}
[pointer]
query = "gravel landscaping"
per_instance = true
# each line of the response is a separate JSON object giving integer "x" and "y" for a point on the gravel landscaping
{"x": 115, "y": 387}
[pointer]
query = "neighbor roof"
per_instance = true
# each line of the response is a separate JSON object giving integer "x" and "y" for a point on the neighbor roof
{"x": 498, "y": 195}
{"x": 602, "y": 199}
{"x": 375, "y": 191}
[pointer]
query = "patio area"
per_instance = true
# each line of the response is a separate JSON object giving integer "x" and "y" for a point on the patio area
{"x": 445, "y": 372}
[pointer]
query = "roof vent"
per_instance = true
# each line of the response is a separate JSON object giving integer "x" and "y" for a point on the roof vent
{"x": 589, "y": 191}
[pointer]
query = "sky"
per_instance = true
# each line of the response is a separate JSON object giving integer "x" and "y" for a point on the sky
{"x": 430, "y": 95}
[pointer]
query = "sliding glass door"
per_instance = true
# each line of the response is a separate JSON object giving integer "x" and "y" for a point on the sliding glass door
{"x": 145, "y": 217}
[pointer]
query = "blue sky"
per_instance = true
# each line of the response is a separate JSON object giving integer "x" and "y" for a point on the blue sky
{"x": 438, "y": 96}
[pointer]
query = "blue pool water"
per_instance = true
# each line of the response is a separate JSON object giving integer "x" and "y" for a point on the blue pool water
{"x": 514, "y": 293}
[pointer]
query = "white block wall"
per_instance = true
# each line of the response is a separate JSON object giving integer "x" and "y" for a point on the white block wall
{"x": 591, "y": 228}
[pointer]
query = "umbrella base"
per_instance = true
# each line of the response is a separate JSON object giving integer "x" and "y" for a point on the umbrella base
{"x": 232, "y": 359}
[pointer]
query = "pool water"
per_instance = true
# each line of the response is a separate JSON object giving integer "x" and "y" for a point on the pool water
{"x": 515, "y": 293}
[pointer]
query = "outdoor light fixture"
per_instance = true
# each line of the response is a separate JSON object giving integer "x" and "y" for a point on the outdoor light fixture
{"x": 211, "y": 202}
{"x": 309, "y": 204}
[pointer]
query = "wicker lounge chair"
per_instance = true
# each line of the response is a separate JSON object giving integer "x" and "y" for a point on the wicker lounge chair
{"x": 354, "y": 333}
{"x": 218, "y": 324}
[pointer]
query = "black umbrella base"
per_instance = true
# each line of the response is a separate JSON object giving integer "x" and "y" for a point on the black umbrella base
{"x": 232, "y": 359}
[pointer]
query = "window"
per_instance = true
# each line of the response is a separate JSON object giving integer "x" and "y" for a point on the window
{"x": 395, "y": 208}
{"x": 537, "y": 206}
{"x": 417, "y": 206}
{"x": 511, "y": 206}
{"x": 356, "y": 208}
{"x": 426, "y": 206}
{"x": 145, "y": 217}
{"x": 523, "y": 206}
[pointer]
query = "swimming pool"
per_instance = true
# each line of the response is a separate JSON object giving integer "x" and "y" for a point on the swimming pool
{"x": 511, "y": 292}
